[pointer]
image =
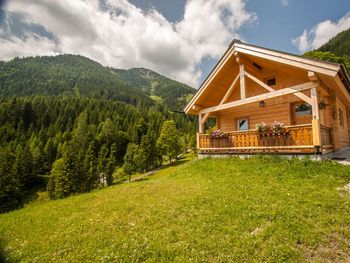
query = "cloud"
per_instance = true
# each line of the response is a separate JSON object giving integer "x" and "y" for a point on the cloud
{"x": 321, "y": 33}
{"x": 118, "y": 34}
{"x": 284, "y": 2}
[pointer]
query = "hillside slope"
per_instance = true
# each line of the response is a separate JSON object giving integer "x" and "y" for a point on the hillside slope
{"x": 64, "y": 75}
{"x": 338, "y": 45}
{"x": 172, "y": 93}
{"x": 66, "y": 120}
{"x": 335, "y": 50}
{"x": 217, "y": 210}
{"x": 80, "y": 76}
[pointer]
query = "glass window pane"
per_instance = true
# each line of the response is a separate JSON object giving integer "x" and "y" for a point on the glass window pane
{"x": 243, "y": 125}
{"x": 303, "y": 109}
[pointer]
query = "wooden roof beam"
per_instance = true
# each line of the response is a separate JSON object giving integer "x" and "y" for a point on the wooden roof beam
{"x": 298, "y": 94}
{"x": 269, "y": 95}
{"x": 291, "y": 60}
{"x": 225, "y": 98}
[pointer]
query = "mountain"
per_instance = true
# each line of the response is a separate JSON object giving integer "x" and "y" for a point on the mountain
{"x": 80, "y": 76}
{"x": 67, "y": 121}
{"x": 338, "y": 45}
{"x": 158, "y": 87}
{"x": 337, "y": 50}
{"x": 64, "y": 75}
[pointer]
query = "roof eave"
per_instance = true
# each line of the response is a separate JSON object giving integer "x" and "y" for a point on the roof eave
{"x": 334, "y": 68}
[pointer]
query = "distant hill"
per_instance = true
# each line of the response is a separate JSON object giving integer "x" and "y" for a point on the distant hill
{"x": 158, "y": 87}
{"x": 64, "y": 75}
{"x": 338, "y": 45}
{"x": 66, "y": 120}
{"x": 80, "y": 76}
{"x": 337, "y": 50}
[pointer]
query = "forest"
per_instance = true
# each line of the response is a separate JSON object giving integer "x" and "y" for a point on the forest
{"x": 70, "y": 125}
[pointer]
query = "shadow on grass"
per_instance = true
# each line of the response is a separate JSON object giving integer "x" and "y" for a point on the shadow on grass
{"x": 145, "y": 176}
{"x": 177, "y": 163}
{"x": 32, "y": 193}
{"x": 2, "y": 253}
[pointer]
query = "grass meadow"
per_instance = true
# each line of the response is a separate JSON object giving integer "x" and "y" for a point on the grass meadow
{"x": 210, "y": 210}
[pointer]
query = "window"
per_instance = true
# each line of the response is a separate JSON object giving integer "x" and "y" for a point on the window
{"x": 271, "y": 81}
{"x": 302, "y": 109}
{"x": 242, "y": 125}
{"x": 341, "y": 118}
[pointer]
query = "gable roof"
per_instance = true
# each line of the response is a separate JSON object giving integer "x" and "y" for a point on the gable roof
{"x": 318, "y": 66}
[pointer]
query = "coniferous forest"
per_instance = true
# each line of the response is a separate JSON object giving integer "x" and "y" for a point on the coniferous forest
{"x": 70, "y": 125}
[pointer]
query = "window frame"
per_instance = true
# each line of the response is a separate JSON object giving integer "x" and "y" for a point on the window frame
{"x": 341, "y": 117}
{"x": 242, "y": 119}
{"x": 302, "y": 113}
{"x": 269, "y": 77}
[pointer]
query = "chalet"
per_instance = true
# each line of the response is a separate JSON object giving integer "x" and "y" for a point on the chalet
{"x": 267, "y": 101}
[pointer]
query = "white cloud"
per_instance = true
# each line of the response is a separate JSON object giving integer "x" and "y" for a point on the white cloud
{"x": 321, "y": 33}
{"x": 284, "y": 2}
{"x": 33, "y": 45}
{"x": 118, "y": 34}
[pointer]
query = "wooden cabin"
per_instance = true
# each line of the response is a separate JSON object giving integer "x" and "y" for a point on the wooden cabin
{"x": 251, "y": 85}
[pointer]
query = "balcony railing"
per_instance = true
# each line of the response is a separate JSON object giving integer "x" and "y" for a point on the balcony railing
{"x": 296, "y": 138}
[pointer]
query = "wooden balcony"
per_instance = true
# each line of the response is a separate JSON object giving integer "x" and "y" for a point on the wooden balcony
{"x": 293, "y": 140}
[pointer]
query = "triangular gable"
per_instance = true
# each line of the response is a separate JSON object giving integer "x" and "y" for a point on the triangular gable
{"x": 317, "y": 66}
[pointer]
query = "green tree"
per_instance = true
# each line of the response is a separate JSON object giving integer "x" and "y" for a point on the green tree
{"x": 102, "y": 164}
{"x": 50, "y": 152}
{"x": 107, "y": 134}
{"x": 91, "y": 166}
{"x": 131, "y": 163}
{"x": 58, "y": 185}
{"x": 168, "y": 141}
{"x": 10, "y": 188}
{"x": 327, "y": 56}
{"x": 111, "y": 164}
{"x": 148, "y": 154}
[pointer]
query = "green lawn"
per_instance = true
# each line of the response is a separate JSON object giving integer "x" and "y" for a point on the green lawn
{"x": 216, "y": 210}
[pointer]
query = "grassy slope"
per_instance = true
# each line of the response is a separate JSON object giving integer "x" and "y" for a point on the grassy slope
{"x": 204, "y": 210}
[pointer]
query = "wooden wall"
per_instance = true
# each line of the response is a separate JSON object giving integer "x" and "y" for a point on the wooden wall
{"x": 255, "y": 114}
{"x": 343, "y": 131}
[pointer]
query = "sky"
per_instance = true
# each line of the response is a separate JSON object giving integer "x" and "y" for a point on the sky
{"x": 181, "y": 39}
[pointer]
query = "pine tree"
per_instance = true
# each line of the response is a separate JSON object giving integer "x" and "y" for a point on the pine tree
{"x": 80, "y": 138}
{"x": 50, "y": 152}
{"x": 40, "y": 166}
{"x": 19, "y": 167}
{"x": 148, "y": 154}
{"x": 102, "y": 164}
{"x": 91, "y": 166}
{"x": 168, "y": 141}
{"x": 10, "y": 188}
{"x": 58, "y": 185}
{"x": 131, "y": 164}
{"x": 71, "y": 171}
{"x": 107, "y": 134}
{"x": 111, "y": 164}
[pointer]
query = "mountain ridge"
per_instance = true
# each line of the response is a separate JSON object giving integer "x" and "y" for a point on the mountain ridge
{"x": 68, "y": 74}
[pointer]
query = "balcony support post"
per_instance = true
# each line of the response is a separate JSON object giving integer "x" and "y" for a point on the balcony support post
{"x": 316, "y": 125}
{"x": 200, "y": 123}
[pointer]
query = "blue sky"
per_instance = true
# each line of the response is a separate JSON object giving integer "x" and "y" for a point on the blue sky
{"x": 180, "y": 39}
